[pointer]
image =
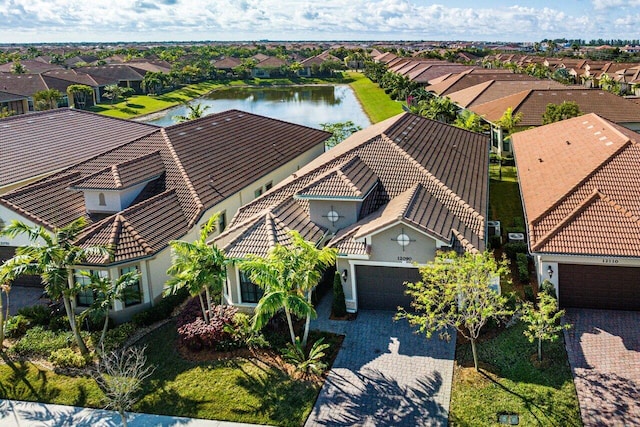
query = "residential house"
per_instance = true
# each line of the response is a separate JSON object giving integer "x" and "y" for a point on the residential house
{"x": 14, "y": 103}
{"x": 464, "y": 80}
{"x": 387, "y": 198}
{"x": 269, "y": 67}
{"x": 311, "y": 66}
{"x": 159, "y": 187}
{"x": 580, "y": 186}
{"x": 31, "y": 66}
{"x": 533, "y": 103}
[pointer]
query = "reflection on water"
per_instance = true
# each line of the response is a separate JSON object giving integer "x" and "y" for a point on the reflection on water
{"x": 305, "y": 105}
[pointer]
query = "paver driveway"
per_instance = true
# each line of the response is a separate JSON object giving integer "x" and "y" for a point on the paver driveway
{"x": 604, "y": 353}
{"x": 384, "y": 375}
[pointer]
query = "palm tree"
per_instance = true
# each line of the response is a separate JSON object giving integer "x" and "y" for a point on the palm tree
{"x": 470, "y": 121}
{"x": 438, "y": 108}
{"x": 198, "y": 266}
{"x": 113, "y": 92}
{"x": 53, "y": 256}
{"x": 287, "y": 275}
{"x": 195, "y": 112}
{"x": 47, "y": 99}
{"x": 106, "y": 293}
{"x": 18, "y": 68}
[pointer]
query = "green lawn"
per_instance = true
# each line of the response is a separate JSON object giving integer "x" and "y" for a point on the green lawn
{"x": 374, "y": 101}
{"x": 504, "y": 196}
{"x": 509, "y": 383}
{"x": 240, "y": 389}
{"x": 145, "y": 104}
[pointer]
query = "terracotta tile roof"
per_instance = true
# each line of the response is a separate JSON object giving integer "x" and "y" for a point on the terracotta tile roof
{"x": 583, "y": 197}
{"x": 58, "y": 139}
{"x": 271, "y": 62}
{"x": 435, "y": 71}
{"x": 406, "y": 153}
{"x": 533, "y": 103}
{"x": 125, "y": 174}
{"x": 496, "y": 89}
{"x": 353, "y": 179}
{"x": 204, "y": 161}
{"x": 32, "y": 66}
{"x": 462, "y": 81}
{"x": 227, "y": 63}
{"x": 113, "y": 73}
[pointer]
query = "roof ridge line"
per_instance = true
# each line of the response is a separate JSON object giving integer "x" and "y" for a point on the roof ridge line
{"x": 134, "y": 233}
{"x": 27, "y": 214}
{"x": 464, "y": 241}
{"x": 573, "y": 189}
{"x": 595, "y": 194}
{"x": 116, "y": 175}
{"x": 185, "y": 176}
{"x": 622, "y": 209}
{"x": 271, "y": 233}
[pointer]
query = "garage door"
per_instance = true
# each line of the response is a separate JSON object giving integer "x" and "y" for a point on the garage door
{"x": 7, "y": 252}
{"x": 588, "y": 286}
{"x": 382, "y": 288}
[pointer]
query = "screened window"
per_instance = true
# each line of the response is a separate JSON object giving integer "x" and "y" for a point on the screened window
{"x": 249, "y": 292}
{"x": 133, "y": 292}
{"x": 222, "y": 221}
{"x": 87, "y": 296}
{"x": 258, "y": 192}
{"x": 101, "y": 200}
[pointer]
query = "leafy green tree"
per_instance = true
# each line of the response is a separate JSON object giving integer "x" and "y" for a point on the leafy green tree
{"x": 557, "y": 112}
{"x": 455, "y": 293}
{"x": 114, "y": 92}
{"x": 79, "y": 95}
{"x": 5, "y": 112}
{"x": 288, "y": 276}
{"x": 338, "y": 305}
{"x": 53, "y": 256}
{"x": 470, "y": 121}
{"x": 340, "y": 131}
{"x": 7, "y": 275}
{"x": 154, "y": 82}
{"x": 106, "y": 293}
{"x": 198, "y": 266}
{"x": 544, "y": 323}
{"x": 195, "y": 111}
{"x": 18, "y": 68}
{"x": 438, "y": 108}
{"x": 509, "y": 121}
{"x": 47, "y": 99}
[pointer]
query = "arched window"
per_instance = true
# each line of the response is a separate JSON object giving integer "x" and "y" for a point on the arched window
{"x": 101, "y": 200}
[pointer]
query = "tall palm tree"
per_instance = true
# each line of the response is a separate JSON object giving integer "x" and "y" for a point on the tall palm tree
{"x": 195, "y": 112}
{"x": 52, "y": 256}
{"x": 198, "y": 266}
{"x": 106, "y": 293}
{"x": 287, "y": 274}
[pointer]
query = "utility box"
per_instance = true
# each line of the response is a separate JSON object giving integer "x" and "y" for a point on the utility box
{"x": 494, "y": 228}
{"x": 515, "y": 238}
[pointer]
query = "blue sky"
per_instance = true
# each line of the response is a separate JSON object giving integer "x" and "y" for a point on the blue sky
{"x": 23, "y": 21}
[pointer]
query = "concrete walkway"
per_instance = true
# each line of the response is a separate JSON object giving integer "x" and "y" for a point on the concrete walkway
{"x": 31, "y": 414}
{"x": 384, "y": 375}
{"x": 604, "y": 352}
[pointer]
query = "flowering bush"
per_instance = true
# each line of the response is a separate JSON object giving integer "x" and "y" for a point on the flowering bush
{"x": 196, "y": 334}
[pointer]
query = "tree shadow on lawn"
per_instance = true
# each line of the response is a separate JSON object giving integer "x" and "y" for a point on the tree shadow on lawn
{"x": 371, "y": 395}
{"x": 136, "y": 106}
{"x": 19, "y": 387}
{"x": 281, "y": 398}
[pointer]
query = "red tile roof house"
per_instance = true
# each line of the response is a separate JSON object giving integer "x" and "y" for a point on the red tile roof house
{"x": 386, "y": 198}
{"x": 580, "y": 185}
{"x": 162, "y": 186}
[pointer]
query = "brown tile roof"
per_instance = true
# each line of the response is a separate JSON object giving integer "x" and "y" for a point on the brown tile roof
{"x": 32, "y": 66}
{"x": 113, "y": 73}
{"x": 22, "y": 84}
{"x": 353, "y": 179}
{"x": 71, "y": 76}
{"x": 449, "y": 164}
{"x": 271, "y": 62}
{"x": 579, "y": 181}
{"x": 58, "y": 139}
{"x": 204, "y": 162}
{"x": 8, "y": 96}
{"x": 462, "y": 81}
{"x": 533, "y": 103}
{"x": 124, "y": 175}
{"x": 496, "y": 89}
{"x": 227, "y": 63}
{"x": 438, "y": 70}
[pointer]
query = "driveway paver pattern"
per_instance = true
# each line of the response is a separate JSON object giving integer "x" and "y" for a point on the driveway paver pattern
{"x": 384, "y": 374}
{"x": 604, "y": 352}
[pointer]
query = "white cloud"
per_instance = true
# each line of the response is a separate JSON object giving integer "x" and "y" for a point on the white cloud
{"x": 286, "y": 19}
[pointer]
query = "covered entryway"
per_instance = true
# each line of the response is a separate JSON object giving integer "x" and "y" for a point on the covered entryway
{"x": 382, "y": 288}
{"x": 603, "y": 287}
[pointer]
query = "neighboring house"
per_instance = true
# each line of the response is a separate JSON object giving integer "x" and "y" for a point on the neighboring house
{"x": 123, "y": 75}
{"x": 464, "y": 80}
{"x": 387, "y": 198}
{"x": 31, "y": 66}
{"x": 314, "y": 63}
{"x": 14, "y": 103}
{"x": 533, "y": 103}
{"x": 160, "y": 187}
{"x": 49, "y": 141}
{"x": 267, "y": 67}
{"x": 580, "y": 186}
{"x": 62, "y": 79}
{"x": 227, "y": 64}
{"x": 495, "y": 89}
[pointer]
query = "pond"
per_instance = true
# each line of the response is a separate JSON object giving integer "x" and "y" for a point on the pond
{"x": 305, "y": 105}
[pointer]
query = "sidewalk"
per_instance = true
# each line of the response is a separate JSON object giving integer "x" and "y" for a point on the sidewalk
{"x": 16, "y": 413}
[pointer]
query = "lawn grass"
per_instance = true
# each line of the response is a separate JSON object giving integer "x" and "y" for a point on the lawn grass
{"x": 510, "y": 383}
{"x": 375, "y": 102}
{"x": 139, "y": 105}
{"x": 504, "y": 196}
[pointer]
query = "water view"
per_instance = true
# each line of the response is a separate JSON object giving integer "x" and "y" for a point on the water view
{"x": 305, "y": 105}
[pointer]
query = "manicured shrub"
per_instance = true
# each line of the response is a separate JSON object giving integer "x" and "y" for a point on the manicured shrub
{"x": 523, "y": 267}
{"x": 16, "y": 326}
{"x": 59, "y": 323}
{"x": 548, "y": 288}
{"x": 162, "y": 310}
{"x": 339, "y": 306}
{"x": 115, "y": 337}
{"x": 198, "y": 334}
{"x": 242, "y": 333}
{"x": 38, "y": 315}
{"x": 311, "y": 363}
{"x": 67, "y": 358}
{"x": 528, "y": 293}
{"x": 38, "y": 341}
{"x": 513, "y": 249}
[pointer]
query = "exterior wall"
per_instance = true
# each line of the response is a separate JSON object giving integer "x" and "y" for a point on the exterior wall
{"x": 115, "y": 201}
{"x": 347, "y": 210}
{"x": 544, "y": 261}
{"x": 385, "y": 248}
{"x": 7, "y": 215}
